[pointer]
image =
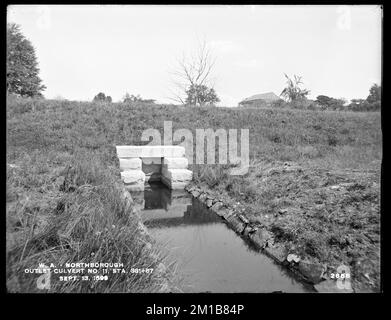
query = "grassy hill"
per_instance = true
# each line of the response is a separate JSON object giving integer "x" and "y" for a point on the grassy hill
{"x": 62, "y": 166}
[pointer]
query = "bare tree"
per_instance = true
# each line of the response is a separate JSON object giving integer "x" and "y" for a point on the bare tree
{"x": 193, "y": 73}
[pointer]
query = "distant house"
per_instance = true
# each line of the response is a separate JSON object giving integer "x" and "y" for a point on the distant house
{"x": 263, "y": 99}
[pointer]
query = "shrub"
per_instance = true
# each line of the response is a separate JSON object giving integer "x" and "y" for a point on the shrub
{"x": 101, "y": 97}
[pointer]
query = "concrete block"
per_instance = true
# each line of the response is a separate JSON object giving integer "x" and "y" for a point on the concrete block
{"x": 175, "y": 163}
{"x": 150, "y": 151}
{"x": 135, "y": 187}
{"x": 177, "y": 175}
{"x": 130, "y": 164}
{"x": 133, "y": 177}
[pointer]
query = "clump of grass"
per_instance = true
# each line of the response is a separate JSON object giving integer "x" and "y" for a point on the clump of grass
{"x": 91, "y": 223}
{"x": 211, "y": 175}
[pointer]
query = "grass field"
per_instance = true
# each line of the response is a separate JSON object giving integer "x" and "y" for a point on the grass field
{"x": 62, "y": 168}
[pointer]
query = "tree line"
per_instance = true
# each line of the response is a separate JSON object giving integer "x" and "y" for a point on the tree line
{"x": 192, "y": 80}
{"x": 295, "y": 96}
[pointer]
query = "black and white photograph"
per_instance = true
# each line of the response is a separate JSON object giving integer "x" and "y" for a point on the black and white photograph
{"x": 193, "y": 149}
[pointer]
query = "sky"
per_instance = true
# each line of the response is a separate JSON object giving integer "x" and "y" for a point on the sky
{"x": 84, "y": 50}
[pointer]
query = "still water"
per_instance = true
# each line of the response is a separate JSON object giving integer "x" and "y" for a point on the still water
{"x": 211, "y": 257}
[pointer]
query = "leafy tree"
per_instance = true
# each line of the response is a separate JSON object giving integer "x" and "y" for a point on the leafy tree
{"x": 22, "y": 65}
{"x": 357, "y": 101}
{"x": 374, "y": 93}
{"x": 323, "y": 101}
{"x": 201, "y": 95}
{"x": 330, "y": 103}
{"x": 101, "y": 97}
{"x": 371, "y": 103}
{"x": 364, "y": 105}
{"x": 133, "y": 98}
{"x": 293, "y": 92}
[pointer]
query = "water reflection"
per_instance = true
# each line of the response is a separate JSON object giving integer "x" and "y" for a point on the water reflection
{"x": 211, "y": 256}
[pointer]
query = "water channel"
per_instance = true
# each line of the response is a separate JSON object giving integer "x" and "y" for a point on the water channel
{"x": 211, "y": 257}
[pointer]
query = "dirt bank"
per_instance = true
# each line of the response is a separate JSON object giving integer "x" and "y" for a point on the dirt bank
{"x": 318, "y": 219}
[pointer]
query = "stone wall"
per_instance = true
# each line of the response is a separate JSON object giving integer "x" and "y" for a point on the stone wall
{"x": 141, "y": 164}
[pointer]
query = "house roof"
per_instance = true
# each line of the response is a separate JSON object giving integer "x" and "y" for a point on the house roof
{"x": 268, "y": 96}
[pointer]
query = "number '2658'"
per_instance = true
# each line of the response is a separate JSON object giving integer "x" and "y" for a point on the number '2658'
{"x": 343, "y": 277}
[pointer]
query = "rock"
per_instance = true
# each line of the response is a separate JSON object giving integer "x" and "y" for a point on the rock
{"x": 236, "y": 224}
{"x": 220, "y": 212}
{"x": 248, "y": 230}
{"x": 217, "y": 206}
{"x": 195, "y": 193}
{"x": 202, "y": 197}
{"x": 228, "y": 213}
{"x": 244, "y": 219}
{"x": 209, "y": 203}
{"x": 330, "y": 286}
{"x": 270, "y": 242}
{"x": 293, "y": 258}
{"x": 215, "y": 200}
{"x": 278, "y": 253}
{"x": 260, "y": 238}
{"x": 313, "y": 272}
